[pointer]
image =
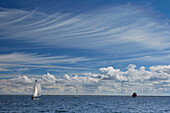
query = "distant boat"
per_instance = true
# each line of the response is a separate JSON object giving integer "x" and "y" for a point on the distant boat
{"x": 76, "y": 92}
{"x": 134, "y": 95}
{"x": 37, "y": 91}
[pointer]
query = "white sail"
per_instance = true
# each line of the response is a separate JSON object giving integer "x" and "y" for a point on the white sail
{"x": 35, "y": 94}
{"x": 37, "y": 90}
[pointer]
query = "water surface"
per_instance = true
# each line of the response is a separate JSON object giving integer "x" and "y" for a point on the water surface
{"x": 85, "y": 104}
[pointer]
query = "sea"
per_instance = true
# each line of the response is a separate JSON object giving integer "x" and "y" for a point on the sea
{"x": 85, "y": 104}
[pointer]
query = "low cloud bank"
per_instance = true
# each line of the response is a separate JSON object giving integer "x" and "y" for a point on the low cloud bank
{"x": 155, "y": 81}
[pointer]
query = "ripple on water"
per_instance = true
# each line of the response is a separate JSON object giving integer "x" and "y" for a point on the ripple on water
{"x": 84, "y": 104}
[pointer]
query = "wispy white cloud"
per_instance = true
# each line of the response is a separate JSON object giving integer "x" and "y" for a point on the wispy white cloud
{"x": 38, "y": 59}
{"x": 156, "y": 80}
{"x": 120, "y": 33}
{"x": 152, "y": 58}
{"x": 96, "y": 29}
{"x": 25, "y": 61}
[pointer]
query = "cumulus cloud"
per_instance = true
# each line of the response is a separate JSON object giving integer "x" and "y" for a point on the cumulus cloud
{"x": 20, "y": 85}
{"x": 132, "y": 74}
{"x": 156, "y": 80}
{"x": 49, "y": 78}
{"x": 24, "y": 79}
{"x": 160, "y": 69}
{"x": 111, "y": 73}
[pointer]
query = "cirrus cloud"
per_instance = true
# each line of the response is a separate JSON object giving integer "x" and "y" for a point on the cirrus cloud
{"x": 103, "y": 27}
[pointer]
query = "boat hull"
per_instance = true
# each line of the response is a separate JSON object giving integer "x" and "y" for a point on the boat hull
{"x": 35, "y": 98}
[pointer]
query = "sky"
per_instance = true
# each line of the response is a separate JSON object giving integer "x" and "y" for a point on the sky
{"x": 113, "y": 47}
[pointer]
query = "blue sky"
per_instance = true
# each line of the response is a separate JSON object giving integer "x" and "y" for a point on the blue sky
{"x": 104, "y": 47}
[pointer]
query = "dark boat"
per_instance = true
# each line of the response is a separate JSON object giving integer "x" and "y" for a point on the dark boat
{"x": 134, "y": 95}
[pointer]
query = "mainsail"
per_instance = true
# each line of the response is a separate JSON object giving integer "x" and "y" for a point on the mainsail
{"x": 37, "y": 89}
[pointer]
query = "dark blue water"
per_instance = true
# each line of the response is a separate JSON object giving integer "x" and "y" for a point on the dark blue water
{"x": 84, "y": 104}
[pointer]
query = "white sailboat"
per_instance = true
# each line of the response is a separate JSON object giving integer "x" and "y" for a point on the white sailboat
{"x": 76, "y": 92}
{"x": 37, "y": 91}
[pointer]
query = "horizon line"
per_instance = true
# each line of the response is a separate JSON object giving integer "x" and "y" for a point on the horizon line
{"x": 88, "y": 95}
